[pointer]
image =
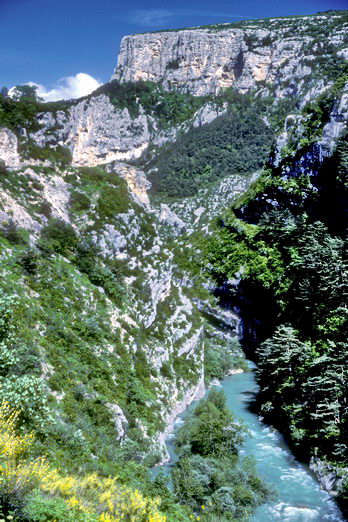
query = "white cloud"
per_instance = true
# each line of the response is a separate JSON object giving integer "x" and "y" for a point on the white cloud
{"x": 156, "y": 17}
{"x": 151, "y": 17}
{"x": 67, "y": 88}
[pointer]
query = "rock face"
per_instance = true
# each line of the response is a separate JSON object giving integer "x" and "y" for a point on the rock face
{"x": 136, "y": 181}
{"x": 96, "y": 132}
{"x": 204, "y": 61}
{"x": 197, "y": 212}
{"x": 336, "y": 125}
{"x": 197, "y": 61}
{"x": 295, "y": 131}
{"x": 331, "y": 479}
{"x": 277, "y": 57}
{"x": 9, "y": 148}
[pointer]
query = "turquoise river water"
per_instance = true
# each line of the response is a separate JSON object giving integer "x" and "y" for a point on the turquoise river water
{"x": 299, "y": 496}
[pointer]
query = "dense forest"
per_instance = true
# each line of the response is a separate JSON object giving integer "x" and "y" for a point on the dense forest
{"x": 237, "y": 142}
{"x": 285, "y": 240}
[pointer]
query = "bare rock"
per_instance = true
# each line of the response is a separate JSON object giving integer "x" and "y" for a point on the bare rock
{"x": 9, "y": 148}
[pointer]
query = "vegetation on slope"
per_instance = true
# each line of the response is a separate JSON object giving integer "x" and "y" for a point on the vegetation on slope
{"x": 169, "y": 108}
{"x": 286, "y": 242}
{"x": 31, "y": 489}
{"x": 19, "y": 114}
{"x": 237, "y": 142}
{"x": 166, "y": 108}
{"x": 105, "y": 479}
{"x": 66, "y": 288}
{"x": 62, "y": 365}
{"x": 59, "y": 323}
{"x": 323, "y": 21}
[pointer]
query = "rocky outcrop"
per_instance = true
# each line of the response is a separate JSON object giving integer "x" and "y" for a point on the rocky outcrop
{"x": 179, "y": 406}
{"x": 336, "y": 125}
{"x": 197, "y": 212}
{"x": 19, "y": 209}
{"x": 323, "y": 147}
{"x": 204, "y": 61}
{"x": 95, "y": 131}
{"x": 119, "y": 419}
{"x": 330, "y": 478}
{"x": 9, "y": 148}
{"x": 136, "y": 180}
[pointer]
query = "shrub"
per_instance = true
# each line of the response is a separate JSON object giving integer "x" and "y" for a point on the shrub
{"x": 19, "y": 475}
{"x": 18, "y": 114}
{"x": 3, "y": 169}
{"x": 173, "y": 64}
{"x": 211, "y": 429}
{"x": 219, "y": 358}
{"x": 57, "y": 154}
{"x": 15, "y": 234}
{"x": 45, "y": 509}
{"x": 110, "y": 279}
{"x": 58, "y": 237}
{"x": 112, "y": 201}
{"x": 267, "y": 40}
{"x": 29, "y": 394}
{"x": 79, "y": 201}
{"x": 45, "y": 209}
{"x": 223, "y": 501}
{"x": 24, "y": 390}
{"x": 90, "y": 497}
{"x": 166, "y": 370}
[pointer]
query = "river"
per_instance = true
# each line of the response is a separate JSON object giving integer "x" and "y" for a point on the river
{"x": 299, "y": 496}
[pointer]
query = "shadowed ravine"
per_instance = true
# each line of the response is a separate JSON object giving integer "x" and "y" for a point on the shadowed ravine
{"x": 299, "y": 496}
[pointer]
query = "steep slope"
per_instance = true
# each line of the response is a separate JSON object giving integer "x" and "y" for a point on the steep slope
{"x": 118, "y": 299}
{"x": 278, "y": 258}
{"x": 115, "y": 123}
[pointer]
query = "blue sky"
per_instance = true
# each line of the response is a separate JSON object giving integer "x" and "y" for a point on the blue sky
{"x": 45, "y": 40}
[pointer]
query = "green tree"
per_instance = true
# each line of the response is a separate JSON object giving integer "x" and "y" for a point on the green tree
{"x": 25, "y": 92}
{"x": 212, "y": 430}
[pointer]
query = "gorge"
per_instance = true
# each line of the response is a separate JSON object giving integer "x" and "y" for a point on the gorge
{"x": 202, "y": 191}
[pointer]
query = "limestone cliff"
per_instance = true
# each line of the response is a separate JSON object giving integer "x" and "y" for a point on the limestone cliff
{"x": 282, "y": 52}
{"x": 9, "y": 147}
{"x": 96, "y": 131}
{"x": 283, "y": 58}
